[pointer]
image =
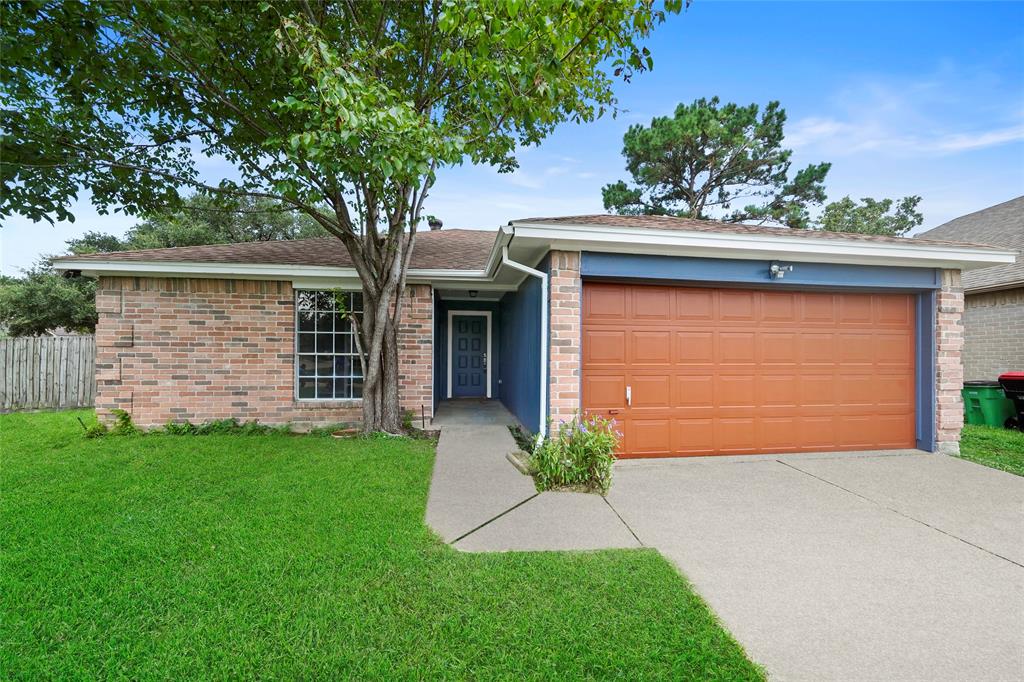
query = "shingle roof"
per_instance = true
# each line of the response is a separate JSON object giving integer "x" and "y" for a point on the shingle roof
{"x": 1001, "y": 225}
{"x": 693, "y": 225}
{"x": 434, "y": 250}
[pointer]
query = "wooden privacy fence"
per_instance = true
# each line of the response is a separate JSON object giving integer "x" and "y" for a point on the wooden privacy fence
{"x": 40, "y": 372}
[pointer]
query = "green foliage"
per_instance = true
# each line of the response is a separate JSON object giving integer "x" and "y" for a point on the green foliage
{"x": 96, "y": 430}
{"x": 272, "y": 556}
{"x": 884, "y": 217}
{"x": 44, "y": 300}
{"x": 581, "y": 455}
{"x": 708, "y": 160}
{"x": 123, "y": 425}
{"x": 997, "y": 448}
{"x": 203, "y": 220}
{"x": 222, "y": 427}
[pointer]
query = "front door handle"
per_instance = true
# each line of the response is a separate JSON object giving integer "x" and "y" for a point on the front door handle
{"x": 485, "y": 360}
{"x": 629, "y": 396}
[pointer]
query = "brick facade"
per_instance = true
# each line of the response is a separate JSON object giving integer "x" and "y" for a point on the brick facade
{"x": 203, "y": 349}
{"x": 566, "y": 300}
{"x": 993, "y": 334}
{"x": 949, "y": 369}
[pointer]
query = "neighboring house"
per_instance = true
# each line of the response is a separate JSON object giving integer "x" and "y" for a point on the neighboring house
{"x": 994, "y": 297}
{"x": 698, "y": 337}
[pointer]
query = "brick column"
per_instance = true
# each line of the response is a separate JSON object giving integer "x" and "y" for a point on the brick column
{"x": 565, "y": 300}
{"x": 949, "y": 369}
{"x": 416, "y": 351}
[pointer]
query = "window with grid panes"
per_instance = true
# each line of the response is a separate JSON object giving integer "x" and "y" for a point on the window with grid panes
{"x": 326, "y": 358}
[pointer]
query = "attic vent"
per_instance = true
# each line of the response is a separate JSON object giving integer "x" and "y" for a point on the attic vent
{"x": 434, "y": 222}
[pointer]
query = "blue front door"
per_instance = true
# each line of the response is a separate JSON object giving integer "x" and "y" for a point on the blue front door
{"x": 469, "y": 356}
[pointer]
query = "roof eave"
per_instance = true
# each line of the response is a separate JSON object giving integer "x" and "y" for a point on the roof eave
{"x": 750, "y": 246}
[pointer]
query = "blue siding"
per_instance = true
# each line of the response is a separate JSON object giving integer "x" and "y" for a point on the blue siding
{"x": 925, "y": 371}
{"x": 520, "y": 358}
{"x": 755, "y": 272}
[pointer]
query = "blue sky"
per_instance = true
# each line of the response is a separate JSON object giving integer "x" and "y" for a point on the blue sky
{"x": 902, "y": 98}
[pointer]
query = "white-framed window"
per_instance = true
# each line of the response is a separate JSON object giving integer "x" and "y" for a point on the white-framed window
{"x": 327, "y": 365}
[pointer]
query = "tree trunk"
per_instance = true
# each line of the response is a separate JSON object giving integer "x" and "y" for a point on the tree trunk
{"x": 381, "y": 407}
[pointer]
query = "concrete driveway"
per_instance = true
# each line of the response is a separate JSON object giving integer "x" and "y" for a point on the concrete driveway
{"x": 846, "y": 567}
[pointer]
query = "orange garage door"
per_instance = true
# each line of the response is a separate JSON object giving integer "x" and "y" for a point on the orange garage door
{"x": 735, "y": 371}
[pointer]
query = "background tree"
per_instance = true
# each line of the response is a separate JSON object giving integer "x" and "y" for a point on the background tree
{"x": 44, "y": 300}
{"x": 712, "y": 160}
{"x": 343, "y": 110}
{"x": 884, "y": 217}
{"x": 202, "y": 220}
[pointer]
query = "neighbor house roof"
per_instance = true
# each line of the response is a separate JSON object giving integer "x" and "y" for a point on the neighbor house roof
{"x": 1001, "y": 225}
{"x": 435, "y": 250}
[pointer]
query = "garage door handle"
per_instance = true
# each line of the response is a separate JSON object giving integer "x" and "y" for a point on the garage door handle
{"x": 629, "y": 396}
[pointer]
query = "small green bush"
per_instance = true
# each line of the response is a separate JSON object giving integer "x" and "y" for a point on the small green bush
{"x": 123, "y": 425}
{"x": 580, "y": 456}
{"x": 96, "y": 430}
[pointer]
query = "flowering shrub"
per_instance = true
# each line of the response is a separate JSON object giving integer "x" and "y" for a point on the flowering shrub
{"x": 580, "y": 456}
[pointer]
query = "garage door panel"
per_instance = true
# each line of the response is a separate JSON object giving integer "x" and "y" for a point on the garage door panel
{"x": 855, "y": 348}
{"x": 650, "y": 347}
{"x": 651, "y": 436}
{"x": 694, "y": 391}
{"x": 817, "y": 348}
{"x": 736, "y": 348}
{"x": 895, "y": 311}
{"x": 737, "y": 306}
{"x": 695, "y": 305}
{"x": 694, "y": 348}
{"x": 693, "y": 436}
{"x": 778, "y": 434}
{"x": 779, "y": 348}
{"x": 651, "y": 391}
{"x": 734, "y": 436}
{"x": 779, "y": 306}
{"x": 604, "y": 347}
{"x": 651, "y": 303}
{"x": 604, "y": 392}
{"x": 730, "y": 371}
{"x": 605, "y": 302}
{"x": 893, "y": 349}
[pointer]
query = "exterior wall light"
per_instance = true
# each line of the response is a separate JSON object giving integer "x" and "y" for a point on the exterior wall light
{"x": 778, "y": 271}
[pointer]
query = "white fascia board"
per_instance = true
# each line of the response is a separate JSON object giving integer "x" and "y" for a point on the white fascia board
{"x": 250, "y": 271}
{"x": 744, "y": 246}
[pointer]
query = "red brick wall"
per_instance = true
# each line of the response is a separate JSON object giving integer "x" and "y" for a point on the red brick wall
{"x": 564, "y": 360}
{"x": 204, "y": 349}
{"x": 949, "y": 369}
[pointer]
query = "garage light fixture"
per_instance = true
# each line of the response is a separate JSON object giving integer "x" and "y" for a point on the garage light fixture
{"x": 778, "y": 271}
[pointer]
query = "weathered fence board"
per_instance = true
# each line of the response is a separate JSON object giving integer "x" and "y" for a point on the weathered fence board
{"x": 47, "y": 372}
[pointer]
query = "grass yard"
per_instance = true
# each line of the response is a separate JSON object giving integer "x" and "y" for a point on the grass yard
{"x": 302, "y": 557}
{"x": 997, "y": 448}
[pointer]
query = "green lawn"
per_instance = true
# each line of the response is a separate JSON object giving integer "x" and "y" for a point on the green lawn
{"x": 300, "y": 557}
{"x": 997, "y": 448}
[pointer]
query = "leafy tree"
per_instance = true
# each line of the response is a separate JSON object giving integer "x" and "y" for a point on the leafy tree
{"x": 712, "y": 160}
{"x": 203, "y": 220}
{"x": 343, "y": 110}
{"x": 884, "y": 217}
{"x": 44, "y": 300}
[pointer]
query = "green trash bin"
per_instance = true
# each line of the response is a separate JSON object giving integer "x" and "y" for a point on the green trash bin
{"x": 985, "y": 404}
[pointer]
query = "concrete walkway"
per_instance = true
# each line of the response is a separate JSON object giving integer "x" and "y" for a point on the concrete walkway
{"x": 867, "y": 566}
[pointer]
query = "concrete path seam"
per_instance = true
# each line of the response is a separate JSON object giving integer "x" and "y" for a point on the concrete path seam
{"x": 492, "y": 520}
{"x": 898, "y": 512}
{"x": 628, "y": 527}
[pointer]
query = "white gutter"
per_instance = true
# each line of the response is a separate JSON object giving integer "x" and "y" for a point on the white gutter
{"x": 543, "y": 334}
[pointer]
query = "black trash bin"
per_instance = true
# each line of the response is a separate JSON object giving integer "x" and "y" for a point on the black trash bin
{"x": 1013, "y": 387}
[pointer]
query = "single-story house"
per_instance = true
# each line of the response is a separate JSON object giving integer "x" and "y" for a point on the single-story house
{"x": 994, "y": 296}
{"x": 698, "y": 337}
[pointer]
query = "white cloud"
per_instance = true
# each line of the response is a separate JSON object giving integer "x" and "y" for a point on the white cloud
{"x": 913, "y": 117}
